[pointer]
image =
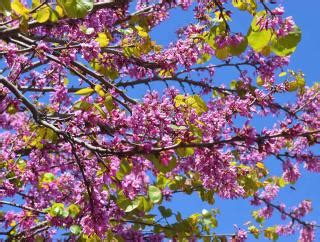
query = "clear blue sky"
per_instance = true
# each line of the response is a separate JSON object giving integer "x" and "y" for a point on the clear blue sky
{"x": 306, "y": 58}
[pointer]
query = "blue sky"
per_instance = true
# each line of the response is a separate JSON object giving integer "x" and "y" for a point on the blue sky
{"x": 305, "y": 58}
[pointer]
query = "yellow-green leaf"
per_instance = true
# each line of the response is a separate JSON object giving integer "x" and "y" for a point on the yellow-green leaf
{"x": 286, "y": 45}
{"x": 259, "y": 39}
{"x": 239, "y": 48}
{"x": 245, "y": 5}
{"x": 185, "y": 151}
{"x": 102, "y": 113}
{"x": 47, "y": 177}
{"x": 35, "y": 3}
{"x": 57, "y": 209}
{"x": 85, "y": 91}
{"x": 293, "y": 86}
{"x": 222, "y": 53}
{"x": 43, "y": 14}
{"x": 133, "y": 206}
{"x": 260, "y": 81}
{"x": 108, "y": 102}
{"x": 154, "y": 194}
{"x": 142, "y": 32}
{"x": 161, "y": 167}
{"x": 74, "y": 210}
{"x": 5, "y": 7}
{"x": 103, "y": 40}
{"x": 75, "y": 229}
{"x": 282, "y": 74}
{"x": 76, "y": 8}
{"x": 125, "y": 169}
{"x": 54, "y": 16}
{"x": 271, "y": 233}
{"x": 19, "y": 8}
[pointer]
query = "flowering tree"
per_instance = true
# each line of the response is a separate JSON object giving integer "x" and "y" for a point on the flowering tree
{"x": 83, "y": 155}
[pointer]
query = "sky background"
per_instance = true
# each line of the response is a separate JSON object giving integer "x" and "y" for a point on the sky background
{"x": 306, "y": 58}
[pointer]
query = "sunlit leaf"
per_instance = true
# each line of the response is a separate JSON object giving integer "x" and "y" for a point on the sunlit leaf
{"x": 135, "y": 204}
{"x": 19, "y": 8}
{"x": 75, "y": 229}
{"x": 259, "y": 39}
{"x": 102, "y": 39}
{"x": 74, "y": 210}
{"x": 43, "y": 14}
{"x": 76, "y": 8}
{"x": 286, "y": 45}
{"x": 5, "y": 7}
{"x": 85, "y": 91}
{"x": 154, "y": 194}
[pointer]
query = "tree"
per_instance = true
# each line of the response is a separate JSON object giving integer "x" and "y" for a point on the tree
{"x": 83, "y": 154}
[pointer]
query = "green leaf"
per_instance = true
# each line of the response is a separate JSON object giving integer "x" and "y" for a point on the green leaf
{"x": 259, "y": 39}
{"x": 254, "y": 230}
{"x": 239, "y": 48}
{"x": 11, "y": 109}
{"x": 5, "y": 7}
{"x": 122, "y": 201}
{"x": 57, "y": 209}
{"x": 222, "y": 53}
{"x": 110, "y": 73}
{"x": 20, "y": 9}
{"x": 76, "y": 8}
{"x": 73, "y": 210}
{"x": 271, "y": 233}
{"x": 161, "y": 167}
{"x": 82, "y": 105}
{"x": 245, "y": 5}
{"x": 47, "y": 177}
{"x": 216, "y": 30}
{"x": 241, "y": 5}
{"x": 258, "y": 16}
{"x": 282, "y": 74}
{"x": 154, "y": 194}
{"x": 133, "y": 206}
{"x": 293, "y": 86}
{"x": 179, "y": 100}
{"x": 206, "y": 213}
{"x": 21, "y": 164}
{"x": 142, "y": 32}
{"x": 35, "y": 3}
{"x": 144, "y": 204}
{"x": 75, "y": 229}
{"x": 102, "y": 113}
{"x": 280, "y": 181}
{"x": 43, "y": 14}
{"x": 233, "y": 84}
{"x": 260, "y": 81}
{"x": 108, "y": 102}
{"x": 207, "y": 196}
{"x": 102, "y": 39}
{"x": 197, "y": 103}
{"x": 125, "y": 169}
{"x": 185, "y": 151}
{"x": 286, "y": 45}
{"x": 165, "y": 212}
{"x": 98, "y": 88}
{"x": 204, "y": 58}
{"x": 255, "y": 215}
{"x": 300, "y": 81}
{"x": 24, "y": 25}
{"x": 85, "y": 91}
